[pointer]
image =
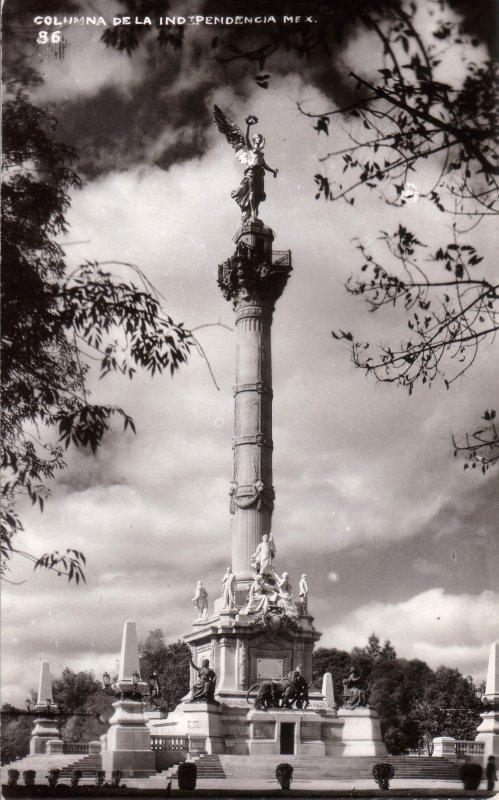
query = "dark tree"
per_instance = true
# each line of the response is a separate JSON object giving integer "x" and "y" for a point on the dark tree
{"x": 81, "y": 698}
{"x": 170, "y": 662}
{"x": 53, "y": 322}
{"x": 16, "y": 733}
{"x": 400, "y": 121}
{"x": 413, "y": 702}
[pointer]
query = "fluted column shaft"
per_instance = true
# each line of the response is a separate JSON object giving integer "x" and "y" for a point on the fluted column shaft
{"x": 253, "y": 279}
{"x": 252, "y": 443}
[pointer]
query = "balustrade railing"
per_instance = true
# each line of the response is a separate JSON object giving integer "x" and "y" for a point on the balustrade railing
{"x": 169, "y": 742}
{"x": 75, "y": 749}
{"x": 465, "y": 748}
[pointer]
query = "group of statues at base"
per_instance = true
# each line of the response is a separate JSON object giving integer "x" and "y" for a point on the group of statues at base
{"x": 268, "y": 592}
{"x": 292, "y": 690}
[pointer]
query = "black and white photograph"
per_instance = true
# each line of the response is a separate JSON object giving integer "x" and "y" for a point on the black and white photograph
{"x": 250, "y": 316}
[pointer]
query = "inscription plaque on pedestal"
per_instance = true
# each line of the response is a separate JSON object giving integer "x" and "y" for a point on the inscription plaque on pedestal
{"x": 269, "y": 668}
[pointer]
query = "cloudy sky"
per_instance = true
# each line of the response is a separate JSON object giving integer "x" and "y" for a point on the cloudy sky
{"x": 370, "y": 503}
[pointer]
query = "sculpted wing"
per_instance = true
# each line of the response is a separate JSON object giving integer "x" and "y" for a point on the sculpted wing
{"x": 232, "y": 133}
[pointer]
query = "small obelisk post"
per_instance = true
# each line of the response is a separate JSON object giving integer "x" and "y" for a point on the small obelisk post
{"x": 488, "y": 730}
{"x": 127, "y": 744}
{"x": 45, "y": 728}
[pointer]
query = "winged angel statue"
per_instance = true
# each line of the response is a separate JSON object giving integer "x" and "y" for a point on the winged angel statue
{"x": 251, "y": 191}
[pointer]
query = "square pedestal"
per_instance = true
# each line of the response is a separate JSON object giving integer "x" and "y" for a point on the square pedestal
{"x": 361, "y": 733}
{"x": 128, "y": 748}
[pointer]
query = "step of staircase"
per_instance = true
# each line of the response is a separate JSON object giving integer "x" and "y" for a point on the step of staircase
{"x": 347, "y": 768}
{"x": 40, "y": 763}
{"x": 88, "y": 765}
{"x": 209, "y": 767}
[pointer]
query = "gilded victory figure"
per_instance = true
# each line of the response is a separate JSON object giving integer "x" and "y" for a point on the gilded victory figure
{"x": 251, "y": 191}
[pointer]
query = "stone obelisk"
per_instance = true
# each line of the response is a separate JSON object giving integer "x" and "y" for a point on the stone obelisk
{"x": 46, "y": 728}
{"x": 488, "y": 730}
{"x": 253, "y": 279}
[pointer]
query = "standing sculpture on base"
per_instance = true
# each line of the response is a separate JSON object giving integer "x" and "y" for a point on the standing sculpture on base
{"x": 251, "y": 192}
{"x": 228, "y": 589}
{"x": 200, "y": 600}
{"x": 303, "y": 592}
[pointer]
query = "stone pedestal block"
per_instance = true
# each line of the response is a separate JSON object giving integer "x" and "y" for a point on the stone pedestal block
{"x": 45, "y": 730}
{"x": 200, "y": 722}
{"x": 488, "y": 733}
{"x": 128, "y": 748}
{"x": 444, "y": 747}
{"x": 361, "y": 733}
{"x": 54, "y": 746}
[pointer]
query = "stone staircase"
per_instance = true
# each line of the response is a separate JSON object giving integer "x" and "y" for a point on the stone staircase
{"x": 209, "y": 768}
{"x": 89, "y": 765}
{"x": 343, "y": 769}
{"x": 41, "y": 764}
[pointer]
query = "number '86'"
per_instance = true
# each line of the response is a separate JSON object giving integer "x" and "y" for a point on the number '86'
{"x": 44, "y": 37}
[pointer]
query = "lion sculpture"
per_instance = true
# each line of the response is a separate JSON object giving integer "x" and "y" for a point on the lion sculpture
{"x": 292, "y": 689}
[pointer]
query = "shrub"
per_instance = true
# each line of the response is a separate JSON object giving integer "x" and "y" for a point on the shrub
{"x": 382, "y": 774}
{"x": 396, "y": 742}
{"x": 100, "y": 777}
{"x": 116, "y": 777}
{"x": 187, "y": 775}
{"x": 29, "y": 776}
{"x": 471, "y": 775}
{"x": 53, "y": 777}
{"x": 284, "y": 774}
{"x": 76, "y": 777}
{"x": 12, "y": 777}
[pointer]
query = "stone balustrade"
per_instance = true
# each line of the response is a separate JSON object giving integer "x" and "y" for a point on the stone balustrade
{"x": 169, "y": 742}
{"x": 469, "y": 748}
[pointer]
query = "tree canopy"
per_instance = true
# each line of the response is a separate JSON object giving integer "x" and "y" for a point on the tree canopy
{"x": 170, "y": 662}
{"x": 55, "y": 324}
{"x": 414, "y": 702}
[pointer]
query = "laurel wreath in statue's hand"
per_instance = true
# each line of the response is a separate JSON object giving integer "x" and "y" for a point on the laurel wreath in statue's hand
{"x": 251, "y": 120}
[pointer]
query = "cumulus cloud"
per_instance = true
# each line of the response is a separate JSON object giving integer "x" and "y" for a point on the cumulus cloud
{"x": 437, "y": 627}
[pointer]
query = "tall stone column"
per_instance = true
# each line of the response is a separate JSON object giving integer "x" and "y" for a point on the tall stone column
{"x": 253, "y": 279}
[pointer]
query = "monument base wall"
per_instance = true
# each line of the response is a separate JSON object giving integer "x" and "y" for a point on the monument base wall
{"x": 244, "y": 730}
{"x": 361, "y": 732}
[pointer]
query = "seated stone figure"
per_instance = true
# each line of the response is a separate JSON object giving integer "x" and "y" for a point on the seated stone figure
{"x": 203, "y": 690}
{"x": 261, "y": 596}
{"x": 355, "y": 691}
